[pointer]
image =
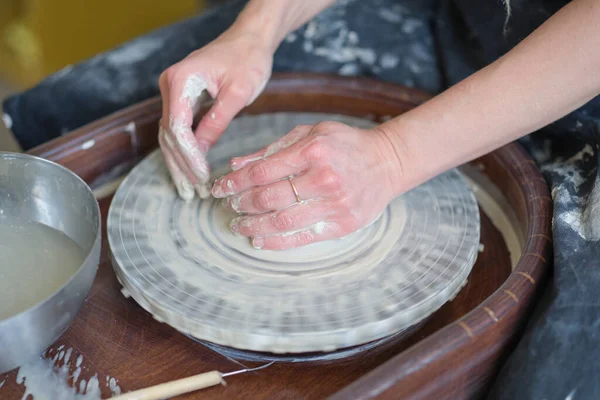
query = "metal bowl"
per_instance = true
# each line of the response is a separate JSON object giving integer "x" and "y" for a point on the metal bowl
{"x": 37, "y": 190}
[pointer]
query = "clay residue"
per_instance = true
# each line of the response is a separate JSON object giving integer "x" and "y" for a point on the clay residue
{"x": 57, "y": 376}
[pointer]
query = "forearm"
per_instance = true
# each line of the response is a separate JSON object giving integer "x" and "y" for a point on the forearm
{"x": 549, "y": 74}
{"x": 272, "y": 20}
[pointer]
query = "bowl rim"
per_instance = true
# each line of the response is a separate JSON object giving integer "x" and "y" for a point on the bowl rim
{"x": 97, "y": 216}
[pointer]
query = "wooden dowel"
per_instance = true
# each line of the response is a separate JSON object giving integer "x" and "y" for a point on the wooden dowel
{"x": 174, "y": 388}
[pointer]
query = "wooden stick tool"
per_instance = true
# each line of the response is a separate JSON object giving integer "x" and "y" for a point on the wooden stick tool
{"x": 185, "y": 385}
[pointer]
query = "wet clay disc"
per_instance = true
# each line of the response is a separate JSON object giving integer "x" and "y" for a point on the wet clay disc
{"x": 181, "y": 263}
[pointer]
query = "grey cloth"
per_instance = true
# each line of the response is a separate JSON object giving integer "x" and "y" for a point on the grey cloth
{"x": 340, "y": 40}
{"x": 428, "y": 44}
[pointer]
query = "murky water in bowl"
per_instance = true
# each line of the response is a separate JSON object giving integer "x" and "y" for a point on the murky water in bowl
{"x": 35, "y": 261}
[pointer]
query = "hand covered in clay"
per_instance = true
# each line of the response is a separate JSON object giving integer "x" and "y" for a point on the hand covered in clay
{"x": 344, "y": 177}
{"x": 234, "y": 70}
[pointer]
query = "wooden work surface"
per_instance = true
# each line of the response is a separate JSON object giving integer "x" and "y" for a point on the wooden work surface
{"x": 455, "y": 355}
{"x": 118, "y": 338}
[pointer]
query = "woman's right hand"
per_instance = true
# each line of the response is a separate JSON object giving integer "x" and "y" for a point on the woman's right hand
{"x": 234, "y": 70}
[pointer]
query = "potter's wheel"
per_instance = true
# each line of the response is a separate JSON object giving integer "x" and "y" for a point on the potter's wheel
{"x": 180, "y": 262}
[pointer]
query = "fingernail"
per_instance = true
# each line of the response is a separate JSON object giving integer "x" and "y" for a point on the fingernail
{"x": 169, "y": 140}
{"x": 223, "y": 189}
{"x": 234, "y": 164}
{"x": 258, "y": 242}
{"x": 233, "y": 226}
{"x": 241, "y": 162}
{"x": 202, "y": 191}
{"x": 235, "y": 203}
{"x": 217, "y": 189}
{"x": 245, "y": 222}
{"x": 186, "y": 191}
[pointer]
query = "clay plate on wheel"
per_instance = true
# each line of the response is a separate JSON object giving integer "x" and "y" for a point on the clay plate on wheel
{"x": 180, "y": 261}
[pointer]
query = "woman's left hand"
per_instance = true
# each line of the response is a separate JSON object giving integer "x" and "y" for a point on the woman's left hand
{"x": 344, "y": 177}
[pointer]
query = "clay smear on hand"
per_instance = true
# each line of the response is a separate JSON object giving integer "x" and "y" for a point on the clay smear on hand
{"x": 186, "y": 146}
